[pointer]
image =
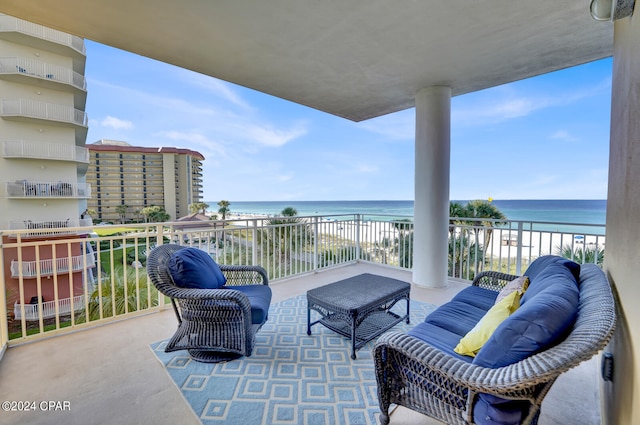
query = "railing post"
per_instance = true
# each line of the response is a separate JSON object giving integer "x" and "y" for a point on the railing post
{"x": 315, "y": 243}
{"x": 519, "y": 250}
{"x": 4, "y": 326}
{"x": 358, "y": 223}
{"x": 254, "y": 243}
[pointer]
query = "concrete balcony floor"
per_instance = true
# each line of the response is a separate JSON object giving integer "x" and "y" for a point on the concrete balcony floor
{"x": 109, "y": 375}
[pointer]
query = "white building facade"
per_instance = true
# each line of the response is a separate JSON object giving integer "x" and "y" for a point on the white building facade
{"x": 43, "y": 126}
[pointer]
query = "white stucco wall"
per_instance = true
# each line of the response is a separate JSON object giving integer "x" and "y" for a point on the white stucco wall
{"x": 622, "y": 396}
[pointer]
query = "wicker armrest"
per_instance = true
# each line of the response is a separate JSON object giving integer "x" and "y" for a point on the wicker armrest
{"x": 493, "y": 280}
{"x": 244, "y": 275}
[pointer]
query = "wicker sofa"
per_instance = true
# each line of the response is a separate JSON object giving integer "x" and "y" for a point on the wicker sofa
{"x": 507, "y": 380}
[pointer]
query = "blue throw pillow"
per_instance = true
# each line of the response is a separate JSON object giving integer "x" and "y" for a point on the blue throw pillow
{"x": 194, "y": 268}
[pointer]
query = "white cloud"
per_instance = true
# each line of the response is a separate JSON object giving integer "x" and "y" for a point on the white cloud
{"x": 274, "y": 137}
{"x": 564, "y": 136}
{"x": 284, "y": 177}
{"x": 217, "y": 87}
{"x": 366, "y": 168}
{"x": 396, "y": 126}
{"x": 190, "y": 138}
{"x": 116, "y": 123}
{"x": 503, "y": 103}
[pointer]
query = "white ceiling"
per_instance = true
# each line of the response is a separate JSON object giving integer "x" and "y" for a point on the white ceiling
{"x": 357, "y": 59}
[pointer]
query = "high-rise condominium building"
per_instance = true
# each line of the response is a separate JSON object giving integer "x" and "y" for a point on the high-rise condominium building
{"x": 125, "y": 179}
{"x": 43, "y": 160}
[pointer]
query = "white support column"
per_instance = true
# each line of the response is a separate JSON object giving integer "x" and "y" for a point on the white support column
{"x": 431, "y": 209}
{"x": 621, "y": 396}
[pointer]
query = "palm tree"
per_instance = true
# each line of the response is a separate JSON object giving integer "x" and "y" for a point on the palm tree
{"x": 118, "y": 294}
{"x": 155, "y": 214}
{"x": 122, "y": 212}
{"x": 284, "y": 235}
{"x": 198, "y": 207}
{"x": 403, "y": 244}
{"x": 223, "y": 208}
{"x": 588, "y": 254}
{"x": 289, "y": 212}
{"x": 480, "y": 209}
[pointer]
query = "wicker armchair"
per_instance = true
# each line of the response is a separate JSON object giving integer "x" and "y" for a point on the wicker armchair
{"x": 213, "y": 324}
{"x": 420, "y": 377}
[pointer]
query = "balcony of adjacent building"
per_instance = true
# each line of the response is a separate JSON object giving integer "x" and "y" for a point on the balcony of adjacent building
{"x": 39, "y": 228}
{"x": 39, "y": 37}
{"x": 31, "y": 111}
{"x": 50, "y": 267}
{"x": 27, "y": 189}
{"x": 22, "y": 149}
{"x": 45, "y": 75}
{"x": 337, "y": 252}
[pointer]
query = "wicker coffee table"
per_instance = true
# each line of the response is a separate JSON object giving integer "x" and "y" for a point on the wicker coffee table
{"x": 358, "y": 307}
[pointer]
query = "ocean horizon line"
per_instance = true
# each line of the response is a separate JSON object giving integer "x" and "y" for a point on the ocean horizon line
{"x": 412, "y": 200}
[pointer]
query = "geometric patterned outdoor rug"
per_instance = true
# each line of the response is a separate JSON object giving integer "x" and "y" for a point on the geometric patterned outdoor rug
{"x": 290, "y": 379}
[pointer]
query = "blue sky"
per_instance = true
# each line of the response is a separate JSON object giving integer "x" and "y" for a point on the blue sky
{"x": 540, "y": 138}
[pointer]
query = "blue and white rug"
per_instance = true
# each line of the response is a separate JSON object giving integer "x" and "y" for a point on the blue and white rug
{"x": 290, "y": 379}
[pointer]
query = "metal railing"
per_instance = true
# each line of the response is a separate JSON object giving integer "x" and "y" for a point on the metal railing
{"x": 46, "y": 71}
{"x": 48, "y": 151}
{"x": 44, "y": 111}
{"x": 11, "y": 24}
{"x": 109, "y": 270}
{"x": 59, "y": 189}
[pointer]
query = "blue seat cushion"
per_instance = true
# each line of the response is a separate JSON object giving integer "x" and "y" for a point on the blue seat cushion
{"x": 457, "y": 317}
{"x": 440, "y": 338}
{"x": 194, "y": 268}
{"x": 492, "y": 410}
{"x": 259, "y": 298}
{"x": 477, "y": 297}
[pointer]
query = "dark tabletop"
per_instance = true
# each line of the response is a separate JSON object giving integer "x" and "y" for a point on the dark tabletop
{"x": 358, "y": 291}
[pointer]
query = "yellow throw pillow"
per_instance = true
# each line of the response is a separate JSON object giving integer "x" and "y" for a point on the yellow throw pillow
{"x": 473, "y": 341}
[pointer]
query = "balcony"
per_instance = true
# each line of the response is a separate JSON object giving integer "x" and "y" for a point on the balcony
{"x": 51, "y": 227}
{"x": 24, "y": 189}
{"x": 49, "y": 267}
{"x": 115, "y": 371}
{"x": 298, "y": 256}
{"x": 45, "y": 151}
{"x": 38, "y": 36}
{"x": 47, "y": 75}
{"x": 31, "y": 312}
{"x": 28, "y": 110}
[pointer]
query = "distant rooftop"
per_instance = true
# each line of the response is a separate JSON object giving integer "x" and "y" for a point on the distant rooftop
{"x": 106, "y": 145}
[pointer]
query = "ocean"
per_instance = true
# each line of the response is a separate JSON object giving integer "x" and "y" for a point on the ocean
{"x": 555, "y": 211}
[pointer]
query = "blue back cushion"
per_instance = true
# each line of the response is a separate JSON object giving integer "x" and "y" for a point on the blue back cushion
{"x": 194, "y": 268}
{"x": 536, "y": 325}
{"x": 559, "y": 271}
{"x": 540, "y": 322}
{"x": 541, "y": 263}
